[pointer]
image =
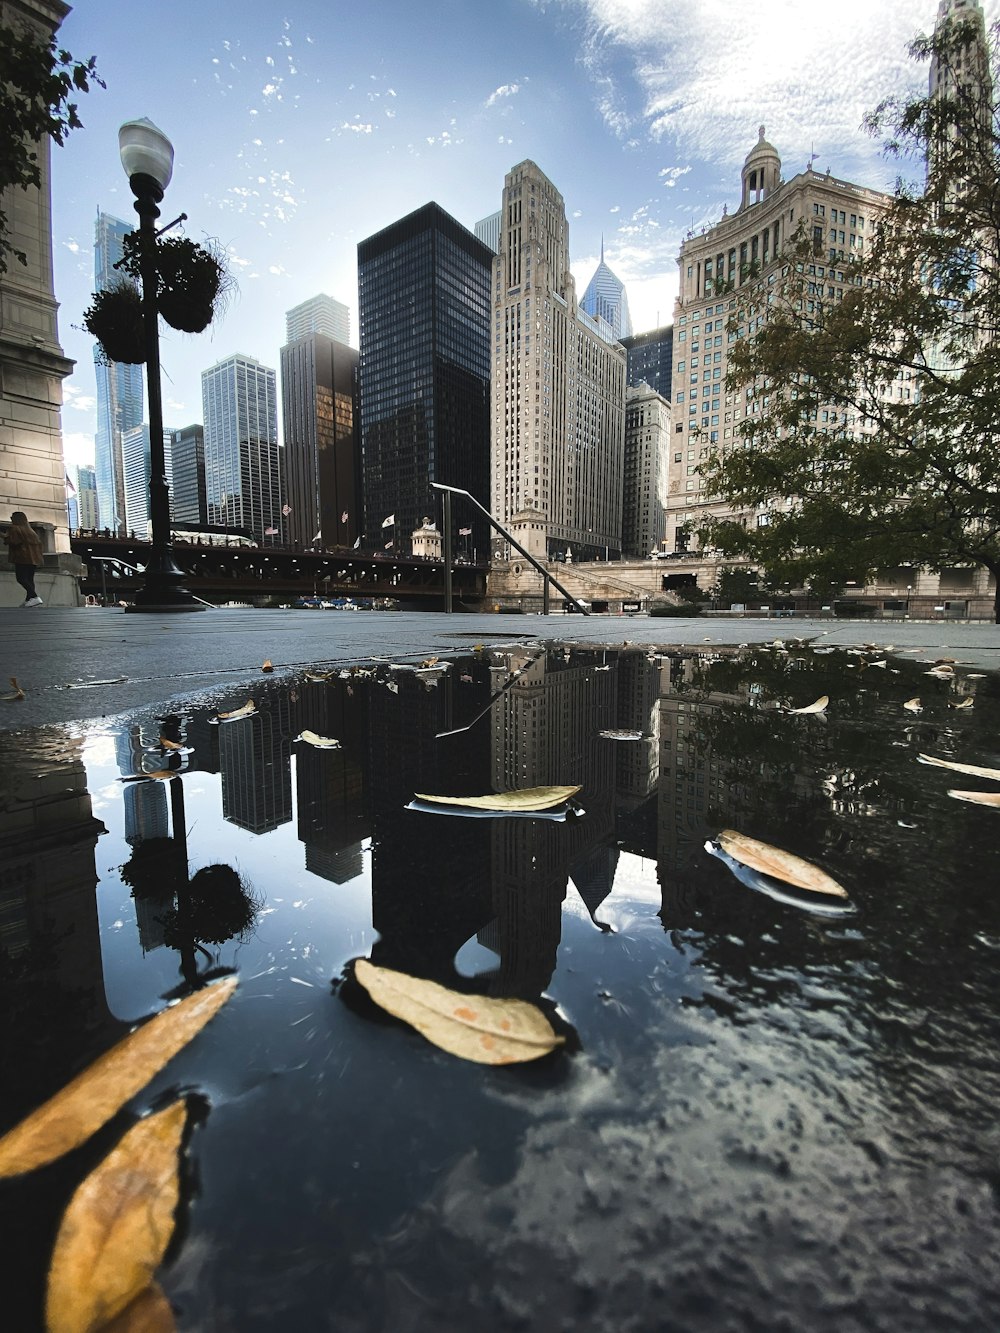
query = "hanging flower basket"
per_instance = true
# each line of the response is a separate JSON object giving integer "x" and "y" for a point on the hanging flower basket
{"x": 192, "y": 280}
{"x": 114, "y": 318}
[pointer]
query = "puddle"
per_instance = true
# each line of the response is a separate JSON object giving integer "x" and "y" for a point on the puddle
{"x": 762, "y": 1115}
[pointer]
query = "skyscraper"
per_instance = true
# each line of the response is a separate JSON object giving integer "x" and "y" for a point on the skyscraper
{"x": 243, "y": 466}
{"x": 119, "y": 387}
{"x": 605, "y": 298}
{"x": 423, "y": 301}
{"x": 650, "y": 359}
{"x": 647, "y": 439}
{"x": 558, "y": 416}
{"x": 488, "y": 230}
{"x": 322, "y": 452}
{"x": 135, "y": 473}
{"x": 187, "y": 489}
{"x": 320, "y": 314}
{"x": 86, "y": 496}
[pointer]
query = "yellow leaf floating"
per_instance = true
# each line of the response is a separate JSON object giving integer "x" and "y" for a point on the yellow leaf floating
{"x": 320, "y": 742}
{"x": 248, "y": 708}
{"x": 117, "y": 1227}
{"x": 100, "y": 1091}
{"x": 966, "y": 703}
{"x": 166, "y": 744}
{"x": 527, "y": 799}
{"x": 267, "y": 665}
{"x": 973, "y": 770}
{"x": 18, "y": 694}
{"x": 779, "y": 864}
{"x": 978, "y": 797}
{"x": 473, "y": 1027}
{"x": 913, "y": 706}
{"x": 818, "y": 707}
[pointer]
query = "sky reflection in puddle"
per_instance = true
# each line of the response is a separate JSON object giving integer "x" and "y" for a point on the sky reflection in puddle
{"x": 803, "y": 1105}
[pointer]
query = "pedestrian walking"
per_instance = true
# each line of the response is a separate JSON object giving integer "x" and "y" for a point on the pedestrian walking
{"x": 25, "y": 554}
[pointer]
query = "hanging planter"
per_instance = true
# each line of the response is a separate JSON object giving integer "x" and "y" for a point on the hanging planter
{"x": 114, "y": 318}
{"x": 192, "y": 280}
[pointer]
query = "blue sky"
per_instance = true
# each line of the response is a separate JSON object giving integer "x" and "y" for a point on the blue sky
{"x": 301, "y": 128}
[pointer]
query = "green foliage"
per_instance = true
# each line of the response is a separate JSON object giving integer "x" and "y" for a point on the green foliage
{"x": 37, "y": 80}
{"x": 876, "y": 375}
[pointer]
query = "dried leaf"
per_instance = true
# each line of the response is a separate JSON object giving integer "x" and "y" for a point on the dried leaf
{"x": 914, "y": 706}
{"x": 18, "y": 694}
{"x": 117, "y": 1227}
{"x": 166, "y": 744}
{"x": 818, "y": 707}
{"x": 320, "y": 742}
{"x": 248, "y": 708}
{"x": 267, "y": 665}
{"x": 966, "y": 703}
{"x": 430, "y": 661}
{"x": 488, "y": 1031}
{"x": 973, "y": 770}
{"x": 100, "y": 1091}
{"x": 813, "y": 903}
{"x": 318, "y": 675}
{"x": 150, "y": 1312}
{"x": 779, "y": 864}
{"x": 392, "y": 687}
{"x": 528, "y": 798}
{"x": 978, "y": 797}
{"x": 159, "y": 774}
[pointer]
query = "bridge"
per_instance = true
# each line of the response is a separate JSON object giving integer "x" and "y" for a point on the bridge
{"x": 238, "y": 572}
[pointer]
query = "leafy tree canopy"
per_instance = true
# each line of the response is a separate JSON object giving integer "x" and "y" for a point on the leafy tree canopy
{"x": 874, "y": 376}
{"x": 37, "y": 81}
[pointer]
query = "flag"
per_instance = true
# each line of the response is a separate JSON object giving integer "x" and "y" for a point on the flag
{"x": 388, "y": 546}
{"x": 270, "y": 532}
{"x": 70, "y": 488}
{"x": 357, "y": 543}
{"x": 465, "y": 532}
{"x": 344, "y": 516}
{"x": 286, "y": 510}
{"x": 388, "y": 522}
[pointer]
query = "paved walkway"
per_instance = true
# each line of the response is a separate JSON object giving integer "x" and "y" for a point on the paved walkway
{"x": 77, "y": 664}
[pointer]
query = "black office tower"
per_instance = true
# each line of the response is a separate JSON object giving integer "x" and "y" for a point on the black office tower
{"x": 650, "y": 360}
{"x": 423, "y": 296}
{"x": 319, "y": 406}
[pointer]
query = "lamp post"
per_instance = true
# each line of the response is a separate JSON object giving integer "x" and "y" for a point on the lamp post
{"x": 148, "y": 158}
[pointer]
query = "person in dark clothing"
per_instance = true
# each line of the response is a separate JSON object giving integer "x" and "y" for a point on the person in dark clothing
{"x": 25, "y": 554}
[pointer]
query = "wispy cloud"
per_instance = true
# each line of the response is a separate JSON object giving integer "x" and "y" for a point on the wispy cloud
{"x": 505, "y": 90}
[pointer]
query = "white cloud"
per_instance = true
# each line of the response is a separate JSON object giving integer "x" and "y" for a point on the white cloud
{"x": 78, "y": 448}
{"x": 505, "y": 90}
{"x": 77, "y": 400}
{"x": 357, "y": 126}
{"x": 805, "y": 81}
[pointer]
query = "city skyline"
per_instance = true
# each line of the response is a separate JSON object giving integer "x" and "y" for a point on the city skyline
{"x": 298, "y": 166}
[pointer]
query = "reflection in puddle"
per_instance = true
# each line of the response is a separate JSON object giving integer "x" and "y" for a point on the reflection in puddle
{"x": 739, "y": 1071}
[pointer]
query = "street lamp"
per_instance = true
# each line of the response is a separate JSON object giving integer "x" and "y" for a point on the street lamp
{"x": 148, "y": 158}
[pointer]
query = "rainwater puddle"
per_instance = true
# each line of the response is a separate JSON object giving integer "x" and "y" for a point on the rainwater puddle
{"x": 761, "y": 1116}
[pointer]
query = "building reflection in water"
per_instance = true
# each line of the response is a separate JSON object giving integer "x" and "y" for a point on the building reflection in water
{"x": 331, "y": 786}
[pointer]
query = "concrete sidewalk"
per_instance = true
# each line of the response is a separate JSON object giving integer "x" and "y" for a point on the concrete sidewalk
{"x": 78, "y": 664}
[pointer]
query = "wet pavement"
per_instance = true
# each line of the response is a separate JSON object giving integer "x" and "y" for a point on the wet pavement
{"x": 763, "y": 1116}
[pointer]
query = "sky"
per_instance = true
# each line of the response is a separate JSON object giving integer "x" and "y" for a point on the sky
{"x": 302, "y": 127}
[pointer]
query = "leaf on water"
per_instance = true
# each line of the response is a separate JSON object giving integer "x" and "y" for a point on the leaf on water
{"x": 150, "y": 1312}
{"x": 966, "y": 703}
{"x": 318, "y": 675}
{"x": 320, "y": 742}
{"x": 157, "y": 774}
{"x": 392, "y": 686}
{"x": 883, "y": 663}
{"x": 267, "y": 665}
{"x": 248, "y": 708}
{"x": 818, "y": 707}
{"x": 18, "y": 694}
{"x": 978, "y": 797}
{"x": 976, "y": 675}
{"x": 100, "y": 1091}
{"x": 166, "y": 744}
{"x": 117, "y": 1227}
{"x": 914, "y": 706}
{"x": 778, "y": 864}
{"x": 430, "y": 661}
{"x": 528, "y": 798}
{"x": 473, "y": 1027}
{"x": 778, "y": 891}
{"x": 973, "y": 770}
{"x": 941, "y": 673}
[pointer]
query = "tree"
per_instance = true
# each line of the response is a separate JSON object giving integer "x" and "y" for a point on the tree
{"x": 37, "y": 79}
{"x": 876, "y": 439}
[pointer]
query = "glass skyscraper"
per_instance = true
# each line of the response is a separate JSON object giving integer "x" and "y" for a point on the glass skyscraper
{"x": 119, "y": 387}
{"x": 243, "y": 481}
{"x": 651, "y": 359}
{"x": 424, "y": 302}
{"x": 605, "y": 298}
